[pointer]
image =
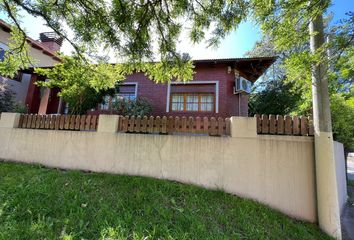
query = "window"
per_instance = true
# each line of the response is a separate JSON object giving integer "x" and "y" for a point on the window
{"x": 105, "y": 104}
{"x": 125, "y": 91}
{"x": 192, "y": 102}
{"x": 128, "y": 96}
{"x": 3, "y": 48}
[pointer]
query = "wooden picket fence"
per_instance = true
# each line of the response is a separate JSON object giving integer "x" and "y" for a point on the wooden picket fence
{"x": 168, "y": 125}
{"x": 59, "y": 122}
{"x": 284, "y": 125}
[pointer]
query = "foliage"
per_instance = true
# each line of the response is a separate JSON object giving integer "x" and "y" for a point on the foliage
{"x": 343, "y": 119}
{"x": 137, "y": 31}
{"x": 19, "y": 107}
{"x": 289, "y": 82}
{"x": 81, "y": 85}
{"x": 273, "y": 97}
{"x": 77, "y": 205}
{"x": 17, "y": 56}
{"x": 138, "y": 107}
{"x": 6, "y": 98}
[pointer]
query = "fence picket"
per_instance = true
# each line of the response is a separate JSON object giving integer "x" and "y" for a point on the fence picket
{"x": 125, "y": 124}
{"x": 151, "y": 125}
{"x": 288, "y": 125}
{"x": 72, "y": 122}
{"x": 296, "y": 125}
{"x": 24, "y": 121}
{"x": 82, "y": 122}
{"x": 88, "y": 122}
{"x": 205, "y": 125}
{"x": 77, "y": 122}
{"x": 190, "y": 125}
{"x": 144, "y": 124}
{"x": 280, "y": 125}
{"x": 311, "y": 127}
{"x": 164, "y": 124}
{"x": 170, "y": 124}
{"x": 93, "y": 125}
{"x": 272, "y": 124}
{"x": 259, "y": 123}
{"x": 137, "y": 124}
{"x": 265, "y": 124}
{"x": 220, "y": 126}
{"x": 303, "y": 126}
{"x": 213, "y": 130}
{"x": 42, "y": 120}
{"x": 227, "y": 126}
{"x": 177, "y": 124}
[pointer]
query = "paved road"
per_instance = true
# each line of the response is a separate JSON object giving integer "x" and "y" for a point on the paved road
{"x": 350, "y": 170}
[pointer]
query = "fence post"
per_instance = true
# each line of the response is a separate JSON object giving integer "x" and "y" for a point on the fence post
{"x": 108, "y": 123}
{"x": 243, "y": 127}
{"x": 10, "y": 120}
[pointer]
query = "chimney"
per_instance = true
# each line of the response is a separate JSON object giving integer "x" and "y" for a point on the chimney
{"x": 51, "y": 40}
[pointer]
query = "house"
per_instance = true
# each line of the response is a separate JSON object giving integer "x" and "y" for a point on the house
{"x": 219, "y": 88}
{"x": 43, "y": 52}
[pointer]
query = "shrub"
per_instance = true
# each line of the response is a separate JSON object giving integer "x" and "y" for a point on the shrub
{"x": 138, "y": 107}
{"x": 6, "y": 98}
{"x": 20, "y": 108}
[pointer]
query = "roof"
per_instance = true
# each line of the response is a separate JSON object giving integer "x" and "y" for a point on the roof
{"x": 252, "y": 68}
{"x": 33, "y": 43}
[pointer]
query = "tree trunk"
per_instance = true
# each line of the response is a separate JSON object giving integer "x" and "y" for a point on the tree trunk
{"x": 326, "y": 181}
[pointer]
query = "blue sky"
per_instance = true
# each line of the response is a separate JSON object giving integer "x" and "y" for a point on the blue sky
{"x": 235, "y": 44}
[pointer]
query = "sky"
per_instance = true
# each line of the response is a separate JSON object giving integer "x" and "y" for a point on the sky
{"x": 236, "y": 44}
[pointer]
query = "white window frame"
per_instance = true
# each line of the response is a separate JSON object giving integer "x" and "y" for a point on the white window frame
{"x": 216, "y": 91}
{"x": 131, "y": 83}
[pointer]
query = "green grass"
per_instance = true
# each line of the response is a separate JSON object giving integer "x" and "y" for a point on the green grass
{"x": 42, "y": 203}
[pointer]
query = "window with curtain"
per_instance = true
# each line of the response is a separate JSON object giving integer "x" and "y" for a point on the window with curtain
{"x": 192, "y": 102}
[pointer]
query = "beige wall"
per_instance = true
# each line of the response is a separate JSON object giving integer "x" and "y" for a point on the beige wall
{"x": 341, "y": 174}
{"x": 275, "y": 170}
{"x": 42, "y": 60}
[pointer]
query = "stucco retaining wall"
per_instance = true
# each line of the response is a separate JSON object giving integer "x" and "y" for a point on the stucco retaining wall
{"x": 275, "y": 170}
{"x": 341, "y": 174}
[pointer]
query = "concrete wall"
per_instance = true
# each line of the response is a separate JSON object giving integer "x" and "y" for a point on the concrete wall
{"x": 275, "y": 170}
{"x": 341, "y": 174}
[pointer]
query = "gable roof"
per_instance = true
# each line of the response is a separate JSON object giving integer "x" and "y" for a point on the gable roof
{"x": 33, "y": 43}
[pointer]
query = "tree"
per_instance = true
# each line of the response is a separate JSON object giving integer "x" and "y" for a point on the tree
{"x": 286, "y": 88}
{"x": 133, "y": 29}
{"x": 81, "y": 85}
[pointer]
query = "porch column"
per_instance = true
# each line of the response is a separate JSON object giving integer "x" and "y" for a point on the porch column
{"x": 44, "y": 102}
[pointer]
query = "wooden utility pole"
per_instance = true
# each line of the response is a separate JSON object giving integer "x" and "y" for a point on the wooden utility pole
{"x": 326, "y": 181}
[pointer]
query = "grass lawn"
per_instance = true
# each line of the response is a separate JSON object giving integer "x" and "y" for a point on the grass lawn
{"x": 42, "y": 203}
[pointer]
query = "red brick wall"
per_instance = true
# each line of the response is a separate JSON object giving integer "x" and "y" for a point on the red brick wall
{"x": 228, "y": 102}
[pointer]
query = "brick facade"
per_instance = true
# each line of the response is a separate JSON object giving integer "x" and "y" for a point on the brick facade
{"x": 229, "y": 103}
{"x": 215, "y": 76}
